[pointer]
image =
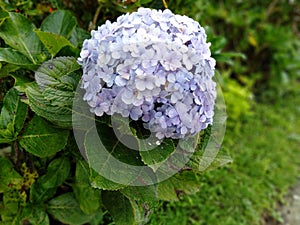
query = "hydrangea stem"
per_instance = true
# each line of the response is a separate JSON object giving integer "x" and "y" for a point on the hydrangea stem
{"x": 95, "y": 18}
{"x": 165, "y": 4}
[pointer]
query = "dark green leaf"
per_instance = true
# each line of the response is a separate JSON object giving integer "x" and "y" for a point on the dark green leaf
{"x": 57, "y": 172}
{"x": 97, "y": 219}
{"x": 78, "y": 36}
{"x": 3, "y": 14}
{"x": 182, "y": 183}
{"x": 17, "y": 32}
{"x": 21, "y": 82}
{"x": 59, "y": 73}
{"x": 117, "y": 163}
{"x": 154, "y": 157}
{"x": 7, "y": 69}
{"x": 12, "y": 201}
{"x": 98, "y": 181}
{"x": 123, "y": 211}
{"x": 53, "y": 42}
{"x": 12, "y": 116}
{"x": 57, "y": 80}
{"x": 42, "y": 139}
{"x": 60, "y": 22}
{"x": 58, "y": 98}
{"x": 39, "y": 194}
{"x": 227, "y": 57}
{"x": 87, "y": 196}
{"x": 144, "y": 195}
{"x": 66, "y": 209}
{"x": 201, "y": 163}
{"x": 33, "y": 215}
{"x": 145, "y": 1}
{"x": 12, "y": 56}
{"x": 217, "y": 43}
{"x": 8, "y": 176}
{"x": 61, "y": 116}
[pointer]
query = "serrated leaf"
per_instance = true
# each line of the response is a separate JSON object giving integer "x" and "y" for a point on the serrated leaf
{"x": 60, "y": 116}
{"x": 66, "y": 209}
{"x": 17, "y": 32}
{"x": 87, "y": 196}
{"x": 180, "y": 184}
{"x": 53, "y": 42}
{"x": 57, "y": 81}
{"x": 58, "y": 98}
{"x": 146, "y": 196}
{"x": 117, "y": 162}
{"x": 98, "y": 181}
{"x": 60, "y": 22}
{"x": 120, "y": 208}
{"x": 42, "y": 139}
{"x": 12, "y": 116}
{"x": 8, "y": 176}
{"x": 154, "y": 157}
{"x": 12, "y": 56}
{"x": 59, "y": 73}
{"x": 57, "y": 172}
{"x": 200, "y": 162}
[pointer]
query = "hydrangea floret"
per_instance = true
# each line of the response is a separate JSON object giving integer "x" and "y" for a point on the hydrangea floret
{"x": 154, "y": 66}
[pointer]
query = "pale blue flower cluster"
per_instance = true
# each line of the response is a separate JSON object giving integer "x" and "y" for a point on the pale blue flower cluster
{"x": 151, "y": 65}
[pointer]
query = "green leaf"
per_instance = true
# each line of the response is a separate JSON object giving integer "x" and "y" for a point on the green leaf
{"x": 8, "y": 176}
{"x": 78, "y": 36}
{"x": 3, "y": 14}
{"x": 6, "y": 69}
{"x": 12, "y": 116}
{"x": 154, "y": 157}
{"x": 33, "y": 215}
{"x": 180, "y": 184}
{"x": 87, "y": 196}
{"x": 60, "y": 22}
{"x": 123, "y": 211}
{"x": 57, "y": 80}
{"x": 66, "y": 209}
{"x": 21, "y": 82}
{"x": 227, "y": 57}
{"x": 217, "y": 43}
{"x": 97, "y": 218}
{"x": 60, "y": 116}
{"x": 59, "y": 73}
{"x": 146, "y": 196}
{"x": 201, "y": 163}
{"x": 98, "y": 181}
{"x": 39, "y": 194}
{"x": 12, "y": 56}
{"x": 17, "y": 32}
{"x": 115, "y": 161}
{"x": 12, "y": 201}
{"x": 42, "y": 139}
{"x": 57, "y": 172}
{"x": 53, "y": 42}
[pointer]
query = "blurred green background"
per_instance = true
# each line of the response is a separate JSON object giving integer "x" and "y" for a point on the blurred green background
{"x": 257, "y": 47}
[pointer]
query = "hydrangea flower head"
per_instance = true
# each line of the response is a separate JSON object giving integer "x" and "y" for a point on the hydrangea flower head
{"x": 154, "y": 66}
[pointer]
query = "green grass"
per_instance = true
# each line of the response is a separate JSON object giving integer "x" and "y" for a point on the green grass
{"x": 266, "y": 163}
